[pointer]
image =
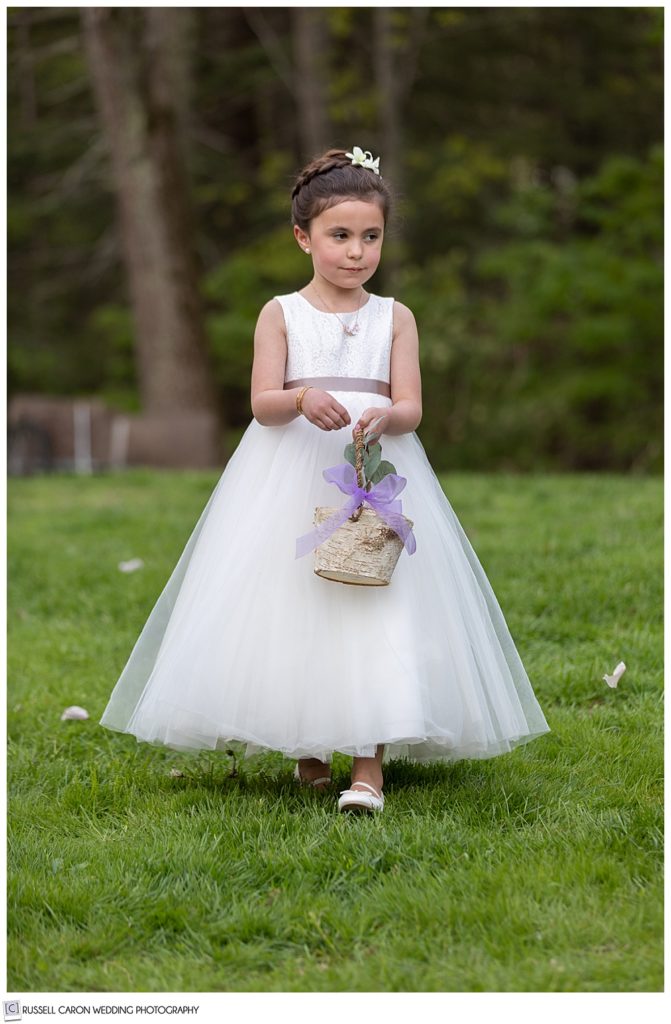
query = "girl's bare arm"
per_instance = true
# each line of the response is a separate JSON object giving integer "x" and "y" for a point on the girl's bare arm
{"x": 271, "y": 404}
{"x": 406, "y": 382}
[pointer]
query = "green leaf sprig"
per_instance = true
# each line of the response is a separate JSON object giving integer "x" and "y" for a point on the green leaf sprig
{"x": 374, "y": 466}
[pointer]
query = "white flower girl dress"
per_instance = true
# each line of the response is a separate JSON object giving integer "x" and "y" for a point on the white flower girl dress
{"x": 247, "y": 648}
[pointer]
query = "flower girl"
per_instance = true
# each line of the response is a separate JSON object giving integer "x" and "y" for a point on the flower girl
{"x": 247, "y": 647}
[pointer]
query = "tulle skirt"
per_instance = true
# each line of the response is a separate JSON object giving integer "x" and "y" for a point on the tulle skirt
{"x": 248, "y": 649}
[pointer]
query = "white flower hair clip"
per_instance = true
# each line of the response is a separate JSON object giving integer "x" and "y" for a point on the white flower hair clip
{"x": 361, "y": 158}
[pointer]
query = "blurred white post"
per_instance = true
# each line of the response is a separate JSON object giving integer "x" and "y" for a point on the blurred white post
{"x": 119, "y": 442}
{"x": 82, "y": 435}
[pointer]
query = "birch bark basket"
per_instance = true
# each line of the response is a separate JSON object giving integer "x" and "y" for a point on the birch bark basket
{"x": 364, "y": 552}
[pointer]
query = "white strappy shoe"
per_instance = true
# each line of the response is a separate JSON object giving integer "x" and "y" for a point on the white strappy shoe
{"x": 310, "y": 782}
{"x": 355, "y": 800}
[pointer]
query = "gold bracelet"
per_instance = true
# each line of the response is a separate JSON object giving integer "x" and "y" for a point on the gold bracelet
{"x": 299, "y": 398}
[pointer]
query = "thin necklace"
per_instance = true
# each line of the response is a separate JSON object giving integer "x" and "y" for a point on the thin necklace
{"x": 351, "y": 331}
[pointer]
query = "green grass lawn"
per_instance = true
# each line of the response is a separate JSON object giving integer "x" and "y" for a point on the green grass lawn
{"x": 539, "y": 870}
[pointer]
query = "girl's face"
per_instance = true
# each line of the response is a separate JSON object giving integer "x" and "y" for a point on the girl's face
{"x": 345, "y": 242}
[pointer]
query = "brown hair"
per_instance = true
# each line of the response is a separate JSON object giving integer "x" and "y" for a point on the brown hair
{"x": 331, "y": 178}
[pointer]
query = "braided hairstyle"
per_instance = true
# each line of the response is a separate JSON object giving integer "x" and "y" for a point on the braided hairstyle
{"x": 331, "y": 178}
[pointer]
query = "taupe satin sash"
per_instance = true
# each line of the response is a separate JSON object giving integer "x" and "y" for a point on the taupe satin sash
{"x": 377, "y": 387}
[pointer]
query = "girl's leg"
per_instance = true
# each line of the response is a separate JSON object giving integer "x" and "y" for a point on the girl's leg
{"x": 312, "y": 768}
{"x": 368, "y": 769}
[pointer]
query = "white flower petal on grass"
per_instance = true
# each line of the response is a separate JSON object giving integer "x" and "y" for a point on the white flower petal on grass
{"x": 132, "y": 565}
{"x": 75, "y": 712}
{"x": 617, "y": 673}
{"x": 176, "y": 774}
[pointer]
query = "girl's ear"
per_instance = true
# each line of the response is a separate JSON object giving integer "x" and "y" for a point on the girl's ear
{"x": 302, "y": 239}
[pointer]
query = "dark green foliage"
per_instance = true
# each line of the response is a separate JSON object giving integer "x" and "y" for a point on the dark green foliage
{"x": 552, "y": 352}
{"x": 528, "y": 233}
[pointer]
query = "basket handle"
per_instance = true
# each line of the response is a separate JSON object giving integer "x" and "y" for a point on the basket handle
{"x": 358, "y": 465}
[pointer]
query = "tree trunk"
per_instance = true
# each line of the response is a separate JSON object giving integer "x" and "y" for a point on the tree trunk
{"x": 26, "y": 69}
{"x": 310, "y": 39}
{"x": 388, "y": 91}
{"x": 387, "y": 80}
{"x": 139, "y": 68}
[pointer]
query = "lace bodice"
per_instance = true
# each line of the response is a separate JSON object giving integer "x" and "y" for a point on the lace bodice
{"x": 317, "y": 346}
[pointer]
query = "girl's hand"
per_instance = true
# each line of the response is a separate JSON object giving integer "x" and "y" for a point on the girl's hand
{"x": 369, "y": 416}
{"x": 324, "y": 410}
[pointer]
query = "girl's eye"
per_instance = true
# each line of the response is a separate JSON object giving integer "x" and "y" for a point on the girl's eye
{"x": 341, "y": 234}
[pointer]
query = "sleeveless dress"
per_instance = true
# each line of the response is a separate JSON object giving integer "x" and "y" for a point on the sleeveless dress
{"x": 248, "y": 649}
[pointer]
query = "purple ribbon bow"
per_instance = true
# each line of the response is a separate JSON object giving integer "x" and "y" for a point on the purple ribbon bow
{"x": 380, "y": 497}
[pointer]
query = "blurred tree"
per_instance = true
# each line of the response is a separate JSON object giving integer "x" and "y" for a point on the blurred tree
{"x": 398, "y": 36}
{"x": 26, "y": 71}
{"x": 311, "y": 49}
{"x": 139, "y": 63}
{"x": 546, "y": 346}
{"x": 303, "y": 71}
{"x": 539, "y": 337}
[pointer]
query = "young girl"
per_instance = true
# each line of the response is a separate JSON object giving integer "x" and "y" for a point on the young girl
{"x": 247, "y": 648}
